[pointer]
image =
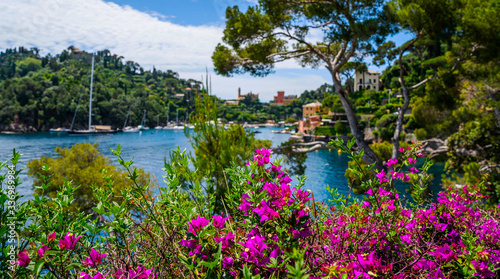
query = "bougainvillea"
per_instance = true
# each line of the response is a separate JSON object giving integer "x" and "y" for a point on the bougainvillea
{"x": 272, "y": 229}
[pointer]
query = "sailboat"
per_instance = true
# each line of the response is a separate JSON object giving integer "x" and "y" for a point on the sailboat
{"x": 177, "y": 126}
{"x": 187, "y": 120}
{"x": 129, "y": 129}
{"x": 158, "y": 127}
{"x": 168, "y": 127}
{"x": 143, "y": 123}
{"x": 96, "y": 129}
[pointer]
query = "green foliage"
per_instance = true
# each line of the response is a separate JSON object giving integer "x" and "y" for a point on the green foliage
{"x": 217, "y": 148}
{"x": 40, "y": 90}
{"x": 386, "y": 126}
{"x": 341, "y": 128}
{"x": 384, "y": 149}
{"x": 325, "y": 131}
{"x": 82, "y": 165}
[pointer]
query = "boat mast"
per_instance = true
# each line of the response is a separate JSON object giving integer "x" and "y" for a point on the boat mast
{"x": 168, "y": 112}
{"x": 124, "y": 125}
{"x": 91, "y": 85}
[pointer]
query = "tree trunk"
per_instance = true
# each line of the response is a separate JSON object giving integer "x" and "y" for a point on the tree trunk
{"x": 399, "y": 124}
{"x": 369, "y": 156}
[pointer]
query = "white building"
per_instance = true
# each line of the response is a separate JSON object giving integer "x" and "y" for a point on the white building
{"x": 367, "y": 80}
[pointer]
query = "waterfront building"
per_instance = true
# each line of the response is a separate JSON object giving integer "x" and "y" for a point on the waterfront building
{"x": 367, "y": 80}
{"x": 310, "y": 109}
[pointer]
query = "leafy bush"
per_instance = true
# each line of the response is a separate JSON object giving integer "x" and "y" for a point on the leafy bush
{"x": 268, "y": 229}
{"x": 341, "y": 128}
{"x": 82, "y": 164}
{"x": 325, "y": 131}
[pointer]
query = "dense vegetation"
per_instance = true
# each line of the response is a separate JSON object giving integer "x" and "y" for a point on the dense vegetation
{"x": 266, "y": 229}
{"x": 44, "y": 92}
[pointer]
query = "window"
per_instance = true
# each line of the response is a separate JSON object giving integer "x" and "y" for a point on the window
{"x": 360, "y": 80}
{"x": 360, "y": 87}
{"x": 374, "y": 81}
{"x": 368, "y": 87}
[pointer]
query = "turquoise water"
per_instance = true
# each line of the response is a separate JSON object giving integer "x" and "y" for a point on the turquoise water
{"x": 149, "y": 148}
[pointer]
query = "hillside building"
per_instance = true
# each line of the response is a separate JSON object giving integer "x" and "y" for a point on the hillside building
{"x": 281, "y": 99}
{"x": 367, "y": 80}
{"x": 253, "y": 96}
{"x": 310, "y": 109}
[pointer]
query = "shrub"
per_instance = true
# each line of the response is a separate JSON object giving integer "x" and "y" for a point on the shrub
{"x": 325, "y": 131}
{"x": 268, "y": 228}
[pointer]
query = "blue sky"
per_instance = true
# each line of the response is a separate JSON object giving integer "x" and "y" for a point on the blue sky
{"x": 179, "y": 35}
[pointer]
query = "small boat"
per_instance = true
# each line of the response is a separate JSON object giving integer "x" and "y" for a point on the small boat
{"x": 59, "y": 130}
{"x": 143, "y": 123}
{"x": 130, "y": 129}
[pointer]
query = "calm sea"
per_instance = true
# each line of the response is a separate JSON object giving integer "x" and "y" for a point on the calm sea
{"x": 149, "y": 148}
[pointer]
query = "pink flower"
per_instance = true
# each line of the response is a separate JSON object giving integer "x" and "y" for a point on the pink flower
{"x": 84, "y": 275}
{"x": 51, "y": 237}
{"x": 365, "y": 204}
{"x": 392, "y": 162}
{"x": 219, "y": 221}
{"x": 227, "y": 263}
{"x": 140, "y": 273}
{"x": 196, "y": 225}
{"x": 23, "y": 258}
{"x": 370, "y": 192}
{"x": 411, "y": 161}
{"x": 41, "y": 252}
{"x": 407, "y": 177}
{"x": 401, "y": 150}
{"x": 95, "y": 258}
{"x": 265, "y": 212}
{"x": 413, "y": 170}
{"x": 381, "y": 177}
{"x": 68, "y": 242}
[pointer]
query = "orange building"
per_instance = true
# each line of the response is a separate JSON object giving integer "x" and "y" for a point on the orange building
{"x": 310, "y": 109}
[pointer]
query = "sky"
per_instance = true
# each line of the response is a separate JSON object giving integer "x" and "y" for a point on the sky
{"x": 177, "y": 35}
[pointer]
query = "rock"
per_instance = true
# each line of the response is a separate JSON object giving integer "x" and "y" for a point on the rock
{"x": 297, "y": 138}
{"x": 369, "y": 136}
{"x": 433, "y": 147}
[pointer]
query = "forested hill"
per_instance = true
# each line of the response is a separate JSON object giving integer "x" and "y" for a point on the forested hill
{"x": 43, "y": 91}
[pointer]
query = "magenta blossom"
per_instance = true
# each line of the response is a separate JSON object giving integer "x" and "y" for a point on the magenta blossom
{"x": 219, "y": 222}
{"x": 51, "y": 237}
{"x": 140, "y": 273}
{"x": 23, "y": 258}
{"x": 392, "y": 162}
{"x": 41, "y": 252}
{"x": 95, "y": 258}
{"x": 227, "y": 263}
{"x": 413, "y": 170}
{"x": 84, "y": 275}
{"x": 68, "y": 242}
{"x": 303, "y": 196}
{"x": 381, "y": 177}
{"x": 265, "y": 212}
{"x": 196, "y": 225}
{"x": 402, "y": 150}
{"x": 245, "y": 203}
{"x": 411, "y": 161}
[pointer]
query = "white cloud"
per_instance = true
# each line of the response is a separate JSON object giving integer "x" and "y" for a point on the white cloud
{"x": 144, "y": 37}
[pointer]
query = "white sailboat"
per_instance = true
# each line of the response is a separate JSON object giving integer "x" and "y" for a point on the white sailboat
{"x": 143, "y": 123}
{"x": 129, "y": 129}
{"x": 168, "y": 127}
{"x": 177, "y": 126}
{"x": 96, "y": 129}
{"x": 158, "y": 127}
